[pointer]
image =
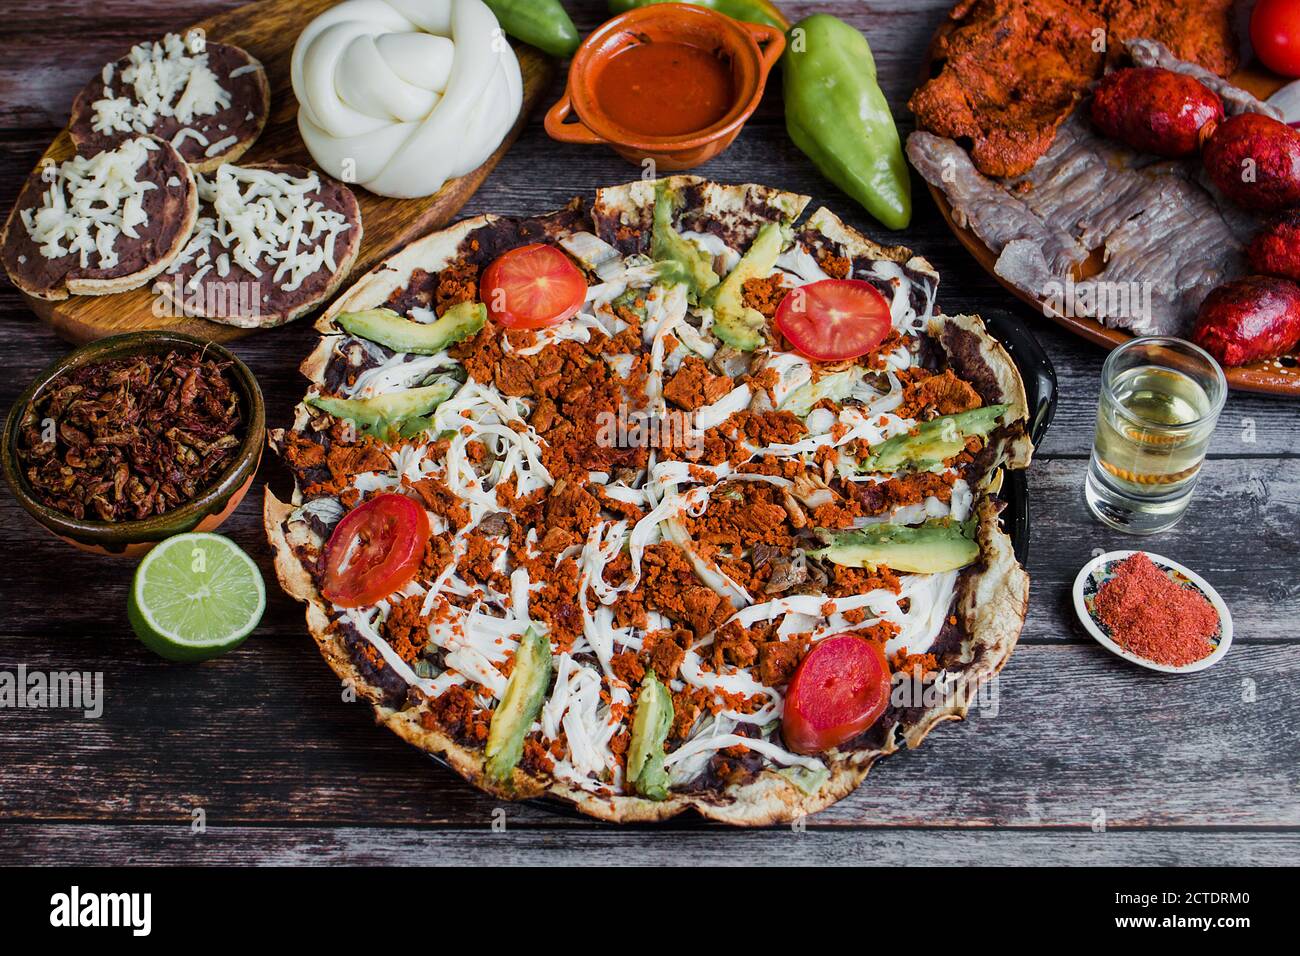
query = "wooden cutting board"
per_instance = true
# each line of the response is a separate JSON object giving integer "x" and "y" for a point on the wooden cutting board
{"x": 268, "y": 31}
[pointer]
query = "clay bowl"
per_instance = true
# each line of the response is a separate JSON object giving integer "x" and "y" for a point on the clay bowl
{"x": 751, "y": 49}
{"x": 133, "y": 538}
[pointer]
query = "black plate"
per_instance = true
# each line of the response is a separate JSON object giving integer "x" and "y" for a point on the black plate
{"x": 1039, "y": 376}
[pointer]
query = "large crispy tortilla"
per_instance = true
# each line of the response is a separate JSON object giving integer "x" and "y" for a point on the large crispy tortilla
{"x": 989, "y": 604}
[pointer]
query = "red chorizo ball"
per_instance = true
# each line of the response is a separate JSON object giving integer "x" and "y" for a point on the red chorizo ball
{"x": 1248, "y": 320}
{"x": 1276, "y": 250}
{"x": 1255, "y": 161}
{"x": 1154, "y": 110}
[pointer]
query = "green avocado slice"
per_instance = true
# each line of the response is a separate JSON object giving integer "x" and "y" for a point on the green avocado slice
{"x": 520, "y": 705}
{"x": 401, "y": 414}
{"x": 934, "y": 441}
{"x": 939, "y": 544}
{"x": 688, "y": 263}
{"x": 650, "y": 725}
{"x": 733, "y": 322}
{"x": 418, "y": 338}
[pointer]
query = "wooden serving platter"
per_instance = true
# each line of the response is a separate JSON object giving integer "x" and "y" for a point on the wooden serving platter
{"x": 1274, "y": 377}
{"x": 268, "y": 31}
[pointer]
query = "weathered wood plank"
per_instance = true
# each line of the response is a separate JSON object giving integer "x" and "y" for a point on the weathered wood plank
{"x": 1249, "y": 426}
{"x": 46, "y": 57}
{"x": 1239, "y": 533}
{"x": 383, "y": 846}
{"x": 261, "y": 736}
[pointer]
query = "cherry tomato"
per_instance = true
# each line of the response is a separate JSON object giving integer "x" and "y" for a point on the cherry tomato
{"x": 839, "y": 690}
{"x": 532, "y": 287}
{"x": 834, "y": 319}
{"x": 375, "y": 549}
{"x": 1275, "y": 34}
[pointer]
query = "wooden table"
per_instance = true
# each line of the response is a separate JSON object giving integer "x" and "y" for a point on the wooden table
{"x": 255, "y": 757}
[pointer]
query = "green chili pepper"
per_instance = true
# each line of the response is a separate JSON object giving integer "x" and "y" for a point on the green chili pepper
{"x": 834, "y": 109}
{"x": 751, "y": 11}
{"x": 836, "y": 113}
{"x": 541, "y": 23}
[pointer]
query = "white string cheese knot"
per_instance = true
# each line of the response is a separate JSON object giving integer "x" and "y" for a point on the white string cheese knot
{"x": 402, "y": 95}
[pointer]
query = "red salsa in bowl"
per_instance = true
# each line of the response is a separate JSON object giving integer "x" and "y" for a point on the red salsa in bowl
{"x": 665, "y": 88}
{"x": 667, "y": 82}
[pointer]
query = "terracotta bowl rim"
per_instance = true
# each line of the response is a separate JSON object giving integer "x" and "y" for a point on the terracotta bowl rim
{"x": 586, "y": 109}
{"x": 141, "y": 529}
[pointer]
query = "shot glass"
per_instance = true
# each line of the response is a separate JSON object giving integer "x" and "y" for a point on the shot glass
{"x": 1160, "y": 401}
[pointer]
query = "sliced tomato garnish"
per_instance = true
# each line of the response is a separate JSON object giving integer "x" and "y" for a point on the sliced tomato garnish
{"x": 839, "y": 690}
{"x": 375, "y": 549}
{"x": 532, "y": 287}
{"x": 834, "y": 319}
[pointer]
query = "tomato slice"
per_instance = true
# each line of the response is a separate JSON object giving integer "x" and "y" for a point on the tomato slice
{"x": 532, "y": 287}
{"x": 839, "y": 690}
{"x": 375, "y": 549}
{"x": 834, "y": 319}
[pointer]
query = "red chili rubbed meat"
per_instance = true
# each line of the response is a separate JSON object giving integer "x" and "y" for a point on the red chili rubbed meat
{"x": 1153, "y": 616}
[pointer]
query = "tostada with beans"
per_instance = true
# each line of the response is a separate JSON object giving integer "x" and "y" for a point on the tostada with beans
{"x": 671, "y": 499}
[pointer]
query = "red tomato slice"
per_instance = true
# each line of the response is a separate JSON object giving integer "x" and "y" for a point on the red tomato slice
{"x": 375, "y": 549}
{"x": 1275, "y": 34}
{"x": 839, "y": 690}
{"x": 834, "y": 319}
{"x": 532, "y": 287}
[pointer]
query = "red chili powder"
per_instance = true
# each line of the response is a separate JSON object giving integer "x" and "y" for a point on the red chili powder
{"x": 1155, "y": 617}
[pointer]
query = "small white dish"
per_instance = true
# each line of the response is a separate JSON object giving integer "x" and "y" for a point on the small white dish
{"x": 1095, "y": 573}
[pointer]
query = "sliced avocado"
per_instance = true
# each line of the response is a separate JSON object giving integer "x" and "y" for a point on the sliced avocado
{"x": 419, "y": 338}
{"x": 933, "y": 441}
{"x": 837, "y": 386}
{"x": 650, "y": 725}
{"x": 809, "y": 781}
{"x": 634, "y": 301}
{"x": 939, "y": 544}
{"x": 400, "y": 414}
{"x": 691, "y": 265}
{"x": 520, "y": 705}
{"x": 736, "y": 324}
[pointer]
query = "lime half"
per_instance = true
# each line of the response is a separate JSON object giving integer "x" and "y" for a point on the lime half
{"x": 195, "y": 596}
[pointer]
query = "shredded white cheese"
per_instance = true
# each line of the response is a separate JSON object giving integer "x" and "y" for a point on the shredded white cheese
{"x": 161, "y": 79}
{"x": 267, "y": 222}
{"x": 91, "y": 203}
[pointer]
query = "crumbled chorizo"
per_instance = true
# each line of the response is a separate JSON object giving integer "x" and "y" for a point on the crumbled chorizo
{"x": 693, "y": 385}
{"x": 627, "y": 668}
{"x": 688, "y": 705}
{"x": 764, "y": 295}
{"x": 940, "y": 394}
{"x": 777, "y": 661}
{"x": 665, "y": 651}
{"x": 405, "y": 630}
{"x": 457, "y": 283}
{"x": 457, "y": 713}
